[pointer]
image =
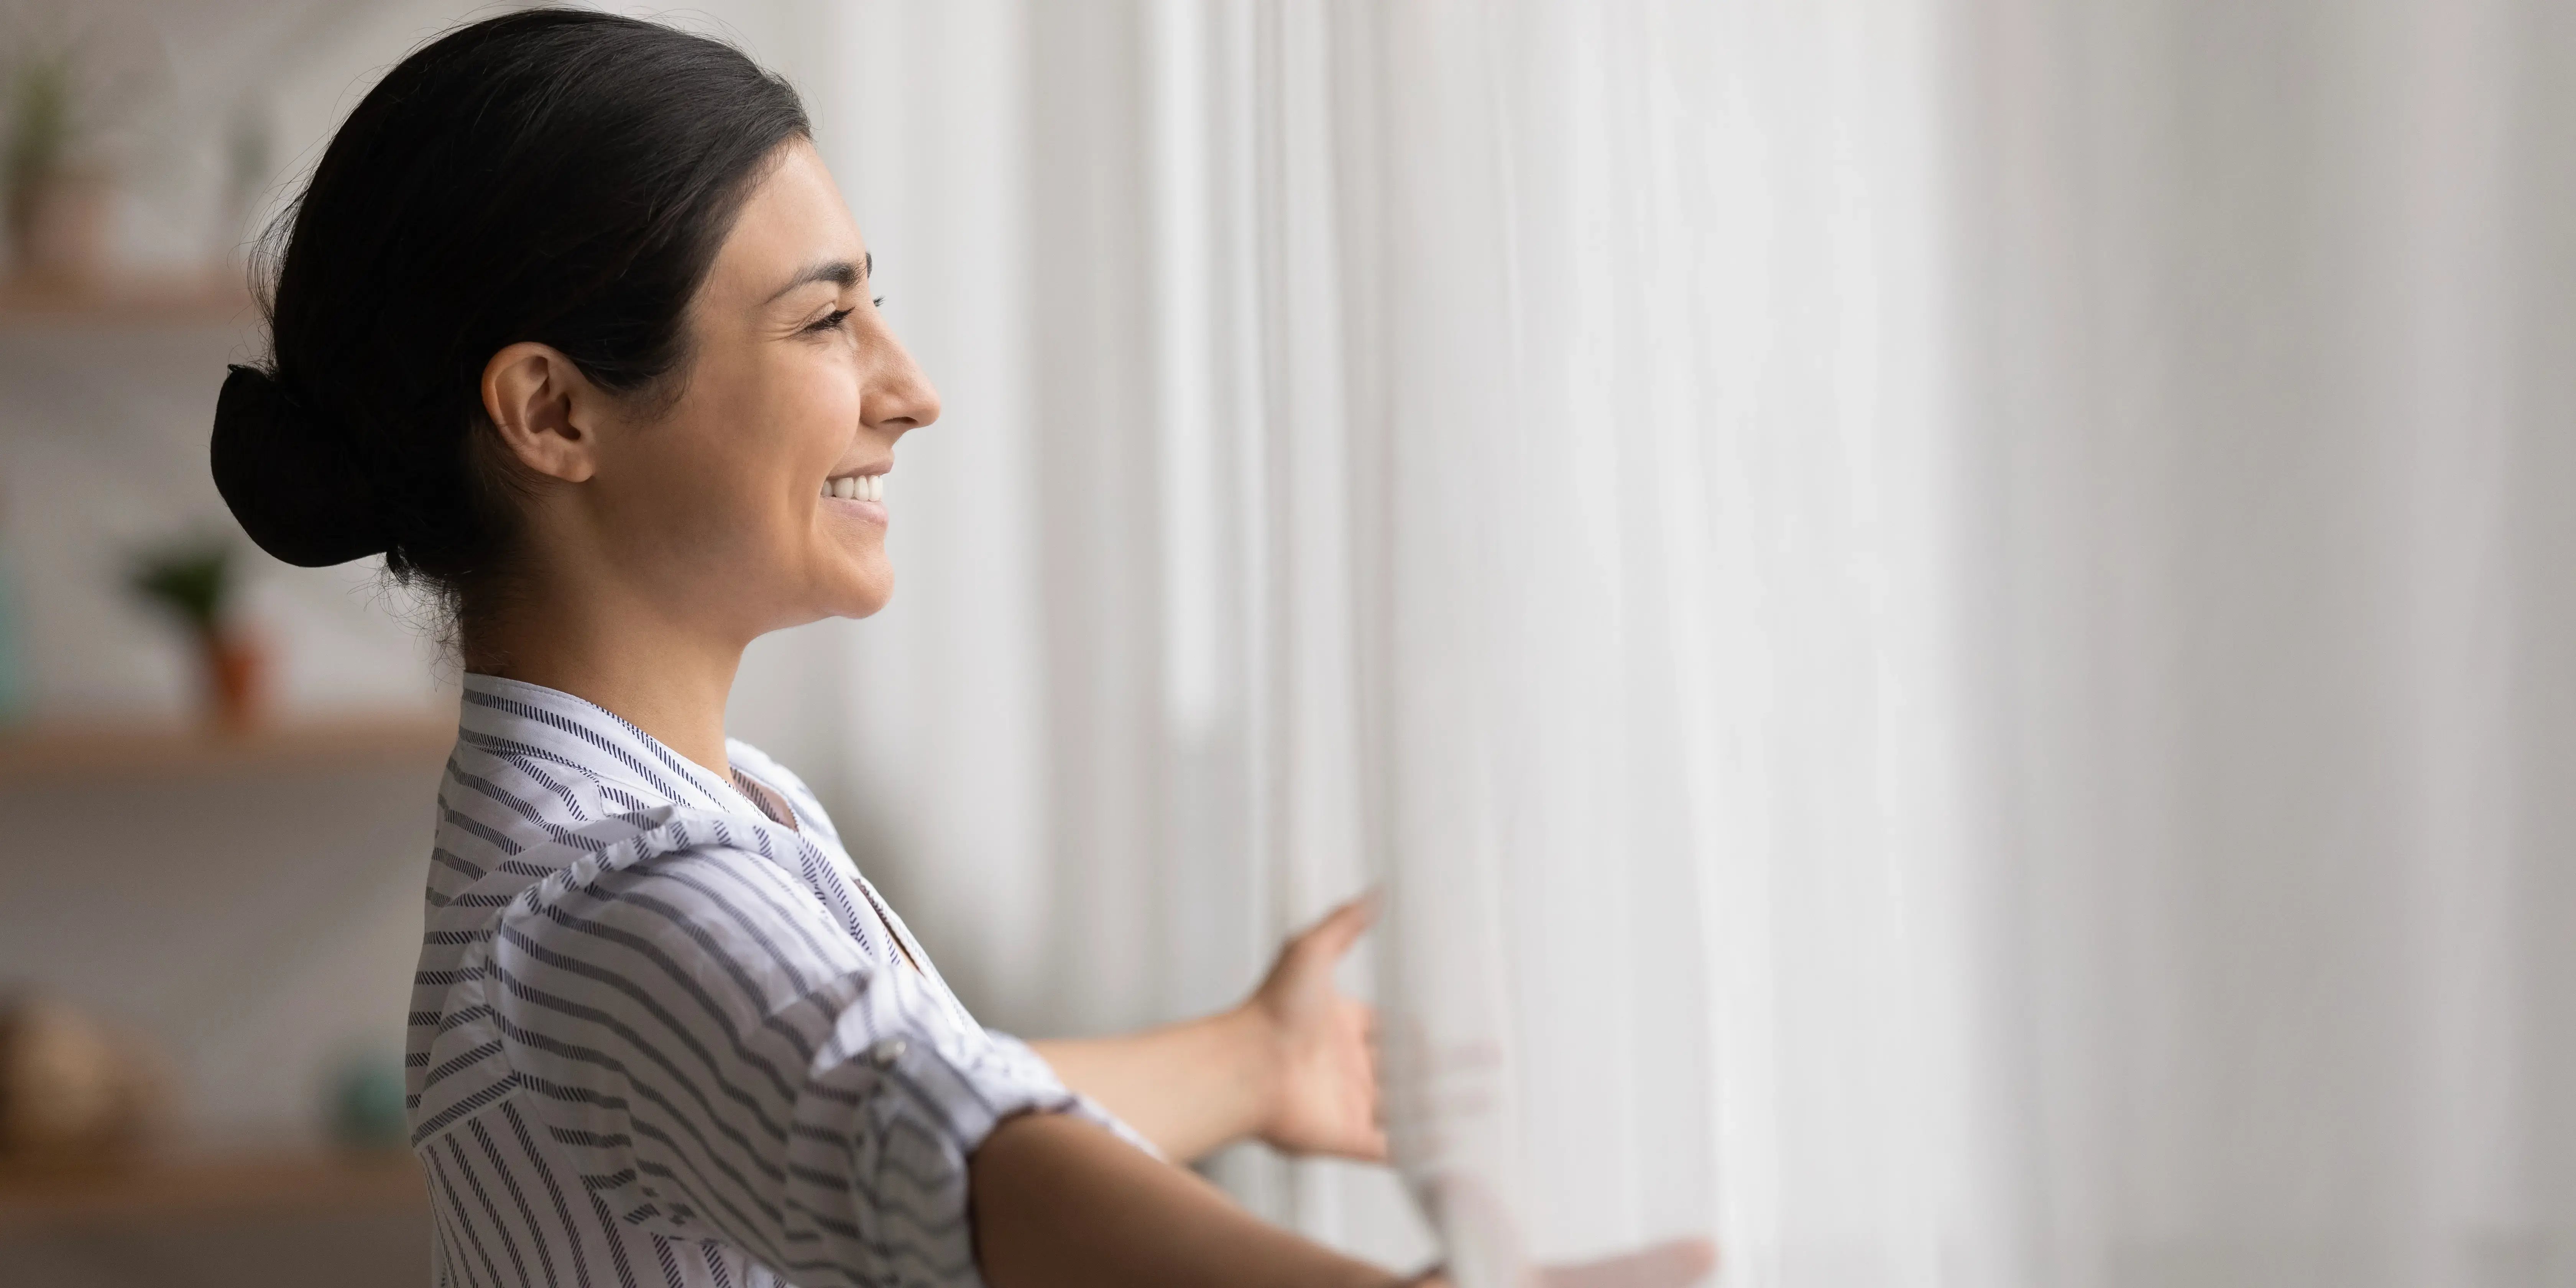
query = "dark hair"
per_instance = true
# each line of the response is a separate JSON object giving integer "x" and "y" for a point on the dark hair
{"x": 559, "y": 176}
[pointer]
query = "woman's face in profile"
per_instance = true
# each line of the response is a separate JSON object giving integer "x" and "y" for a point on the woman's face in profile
{"x": 794, "y": 390}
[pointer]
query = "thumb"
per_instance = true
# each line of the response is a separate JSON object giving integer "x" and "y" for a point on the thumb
{"x": 1339, "y": 929}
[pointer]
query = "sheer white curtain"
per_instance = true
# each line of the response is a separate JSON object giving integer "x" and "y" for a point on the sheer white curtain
{"x": 1945, "y": 620}
{"x": 2268, "y": 318}
{"x": 1661, "y": 523}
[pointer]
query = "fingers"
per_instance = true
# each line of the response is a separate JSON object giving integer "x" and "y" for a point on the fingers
{"x": 1374, "y": 1146}
{"x": 1665, "y": 1265}
{"x": 1342, "y": 927}
{"x": 1468, "y": 1206}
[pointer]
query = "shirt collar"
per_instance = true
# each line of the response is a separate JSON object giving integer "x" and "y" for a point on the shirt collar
{"x": 594, "y": 739}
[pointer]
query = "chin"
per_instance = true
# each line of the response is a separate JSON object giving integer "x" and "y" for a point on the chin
{"x": 847, "y": 583}
{"x": 864, "y": 595}
{"x": 860, "y": 580}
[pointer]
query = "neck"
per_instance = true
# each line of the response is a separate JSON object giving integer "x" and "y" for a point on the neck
{"x": 666, "y": 676}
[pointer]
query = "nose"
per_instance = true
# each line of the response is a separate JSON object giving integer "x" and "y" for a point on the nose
{"x": 897, "y": 397}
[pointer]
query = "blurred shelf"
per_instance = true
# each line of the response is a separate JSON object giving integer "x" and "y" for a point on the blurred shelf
{"x": 127, "y": 305}
{"x": 315, "y": 1183}
{"x": 70, "y": 753}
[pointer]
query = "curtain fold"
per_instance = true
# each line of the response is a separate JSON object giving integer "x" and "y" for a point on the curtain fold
{"x": 1945, "y": 621}
{"x": 1665, "y": 680}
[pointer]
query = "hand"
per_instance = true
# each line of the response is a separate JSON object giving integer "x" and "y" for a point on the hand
{"x": 1665, "y": 1265}
{"x": 1323, "y": 1096}
{"x": 1466, "y": 1204}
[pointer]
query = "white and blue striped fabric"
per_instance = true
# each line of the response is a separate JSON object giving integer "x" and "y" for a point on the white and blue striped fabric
{"x": 661, "y": 1039}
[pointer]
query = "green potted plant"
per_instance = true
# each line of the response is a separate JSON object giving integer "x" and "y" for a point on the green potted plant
{"x": 193, "y": 580}
{"x": 58, "y": 204}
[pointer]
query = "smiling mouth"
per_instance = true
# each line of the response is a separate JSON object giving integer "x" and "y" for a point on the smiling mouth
{"x": 856, "y": 487}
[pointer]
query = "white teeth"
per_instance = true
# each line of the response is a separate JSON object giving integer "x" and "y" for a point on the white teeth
{"x": 856, "y": 487}
{"x": 845, "y": 487}
{"x": 875, "y": 487}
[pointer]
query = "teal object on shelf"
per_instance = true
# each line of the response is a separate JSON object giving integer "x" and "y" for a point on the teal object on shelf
{"x": 367, "y": 1105}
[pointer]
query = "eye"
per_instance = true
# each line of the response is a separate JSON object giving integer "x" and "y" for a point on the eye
{"x": 877, "y": 303}
{"x": 828, "y": 322}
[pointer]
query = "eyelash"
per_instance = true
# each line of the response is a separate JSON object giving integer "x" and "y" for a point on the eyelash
{"x": 832, "y": 321}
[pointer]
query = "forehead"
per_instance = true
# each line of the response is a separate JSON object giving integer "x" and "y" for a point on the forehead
{"x": 793, "y": 219}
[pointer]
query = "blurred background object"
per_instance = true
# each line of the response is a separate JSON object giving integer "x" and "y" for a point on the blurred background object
{"x": 72, "y": 1092}
{"x": 367, "y": 1105}
{"x": 80, "y": 81}
{"x": 192, "y": 580}
{"x": 58, "y": 203}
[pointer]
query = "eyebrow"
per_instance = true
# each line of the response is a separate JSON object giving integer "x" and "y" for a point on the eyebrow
{"x": 839, "y": 272}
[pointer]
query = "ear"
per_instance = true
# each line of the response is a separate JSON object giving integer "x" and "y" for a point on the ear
{"x": 545, "y": 410}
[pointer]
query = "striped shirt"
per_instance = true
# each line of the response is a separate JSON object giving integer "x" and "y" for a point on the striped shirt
{"x": 661, "y": 1038}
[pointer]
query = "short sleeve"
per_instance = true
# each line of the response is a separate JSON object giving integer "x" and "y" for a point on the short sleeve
{"x": 1082, "y": 1106}
{"x": 728, "y": 1063}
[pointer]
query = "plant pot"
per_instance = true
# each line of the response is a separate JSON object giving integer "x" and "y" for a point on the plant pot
{"x": 58, "y": 229}
{"x": 236, "y": 675}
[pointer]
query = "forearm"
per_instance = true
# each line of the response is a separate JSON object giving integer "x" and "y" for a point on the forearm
{"x": 1059, "y": 1203}
{"x": 1189, "y": 1088}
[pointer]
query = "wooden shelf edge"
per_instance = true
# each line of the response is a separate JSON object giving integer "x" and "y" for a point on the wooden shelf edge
{"x": 315, "y": 1182}
{"x": 58, "y": 753}
{"x": 181, "y": 301}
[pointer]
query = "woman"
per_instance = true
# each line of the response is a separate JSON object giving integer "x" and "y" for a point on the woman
{"x": 572, "y": 327}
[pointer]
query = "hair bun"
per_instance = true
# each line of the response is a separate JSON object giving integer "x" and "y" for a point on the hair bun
{"x": 293, "y": 487}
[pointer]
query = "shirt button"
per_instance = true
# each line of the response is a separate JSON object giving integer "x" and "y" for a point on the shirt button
{"x": 887, "y": 1050}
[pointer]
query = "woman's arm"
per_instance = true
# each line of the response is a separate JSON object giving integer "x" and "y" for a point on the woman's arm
{"x": 1189, "y": 1088}
{"x": 1060, "y": 1203}
{"x": 1293, "y": 1065}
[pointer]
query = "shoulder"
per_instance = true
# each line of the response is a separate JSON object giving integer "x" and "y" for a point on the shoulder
{"x": 682, "y": 910}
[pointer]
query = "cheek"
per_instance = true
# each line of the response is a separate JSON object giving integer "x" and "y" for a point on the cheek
{"x": 773, "y": 432}
{"x": 816, "y": 410}
{"x": 733, "y": 509}
{"x": 808, "y": 423}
